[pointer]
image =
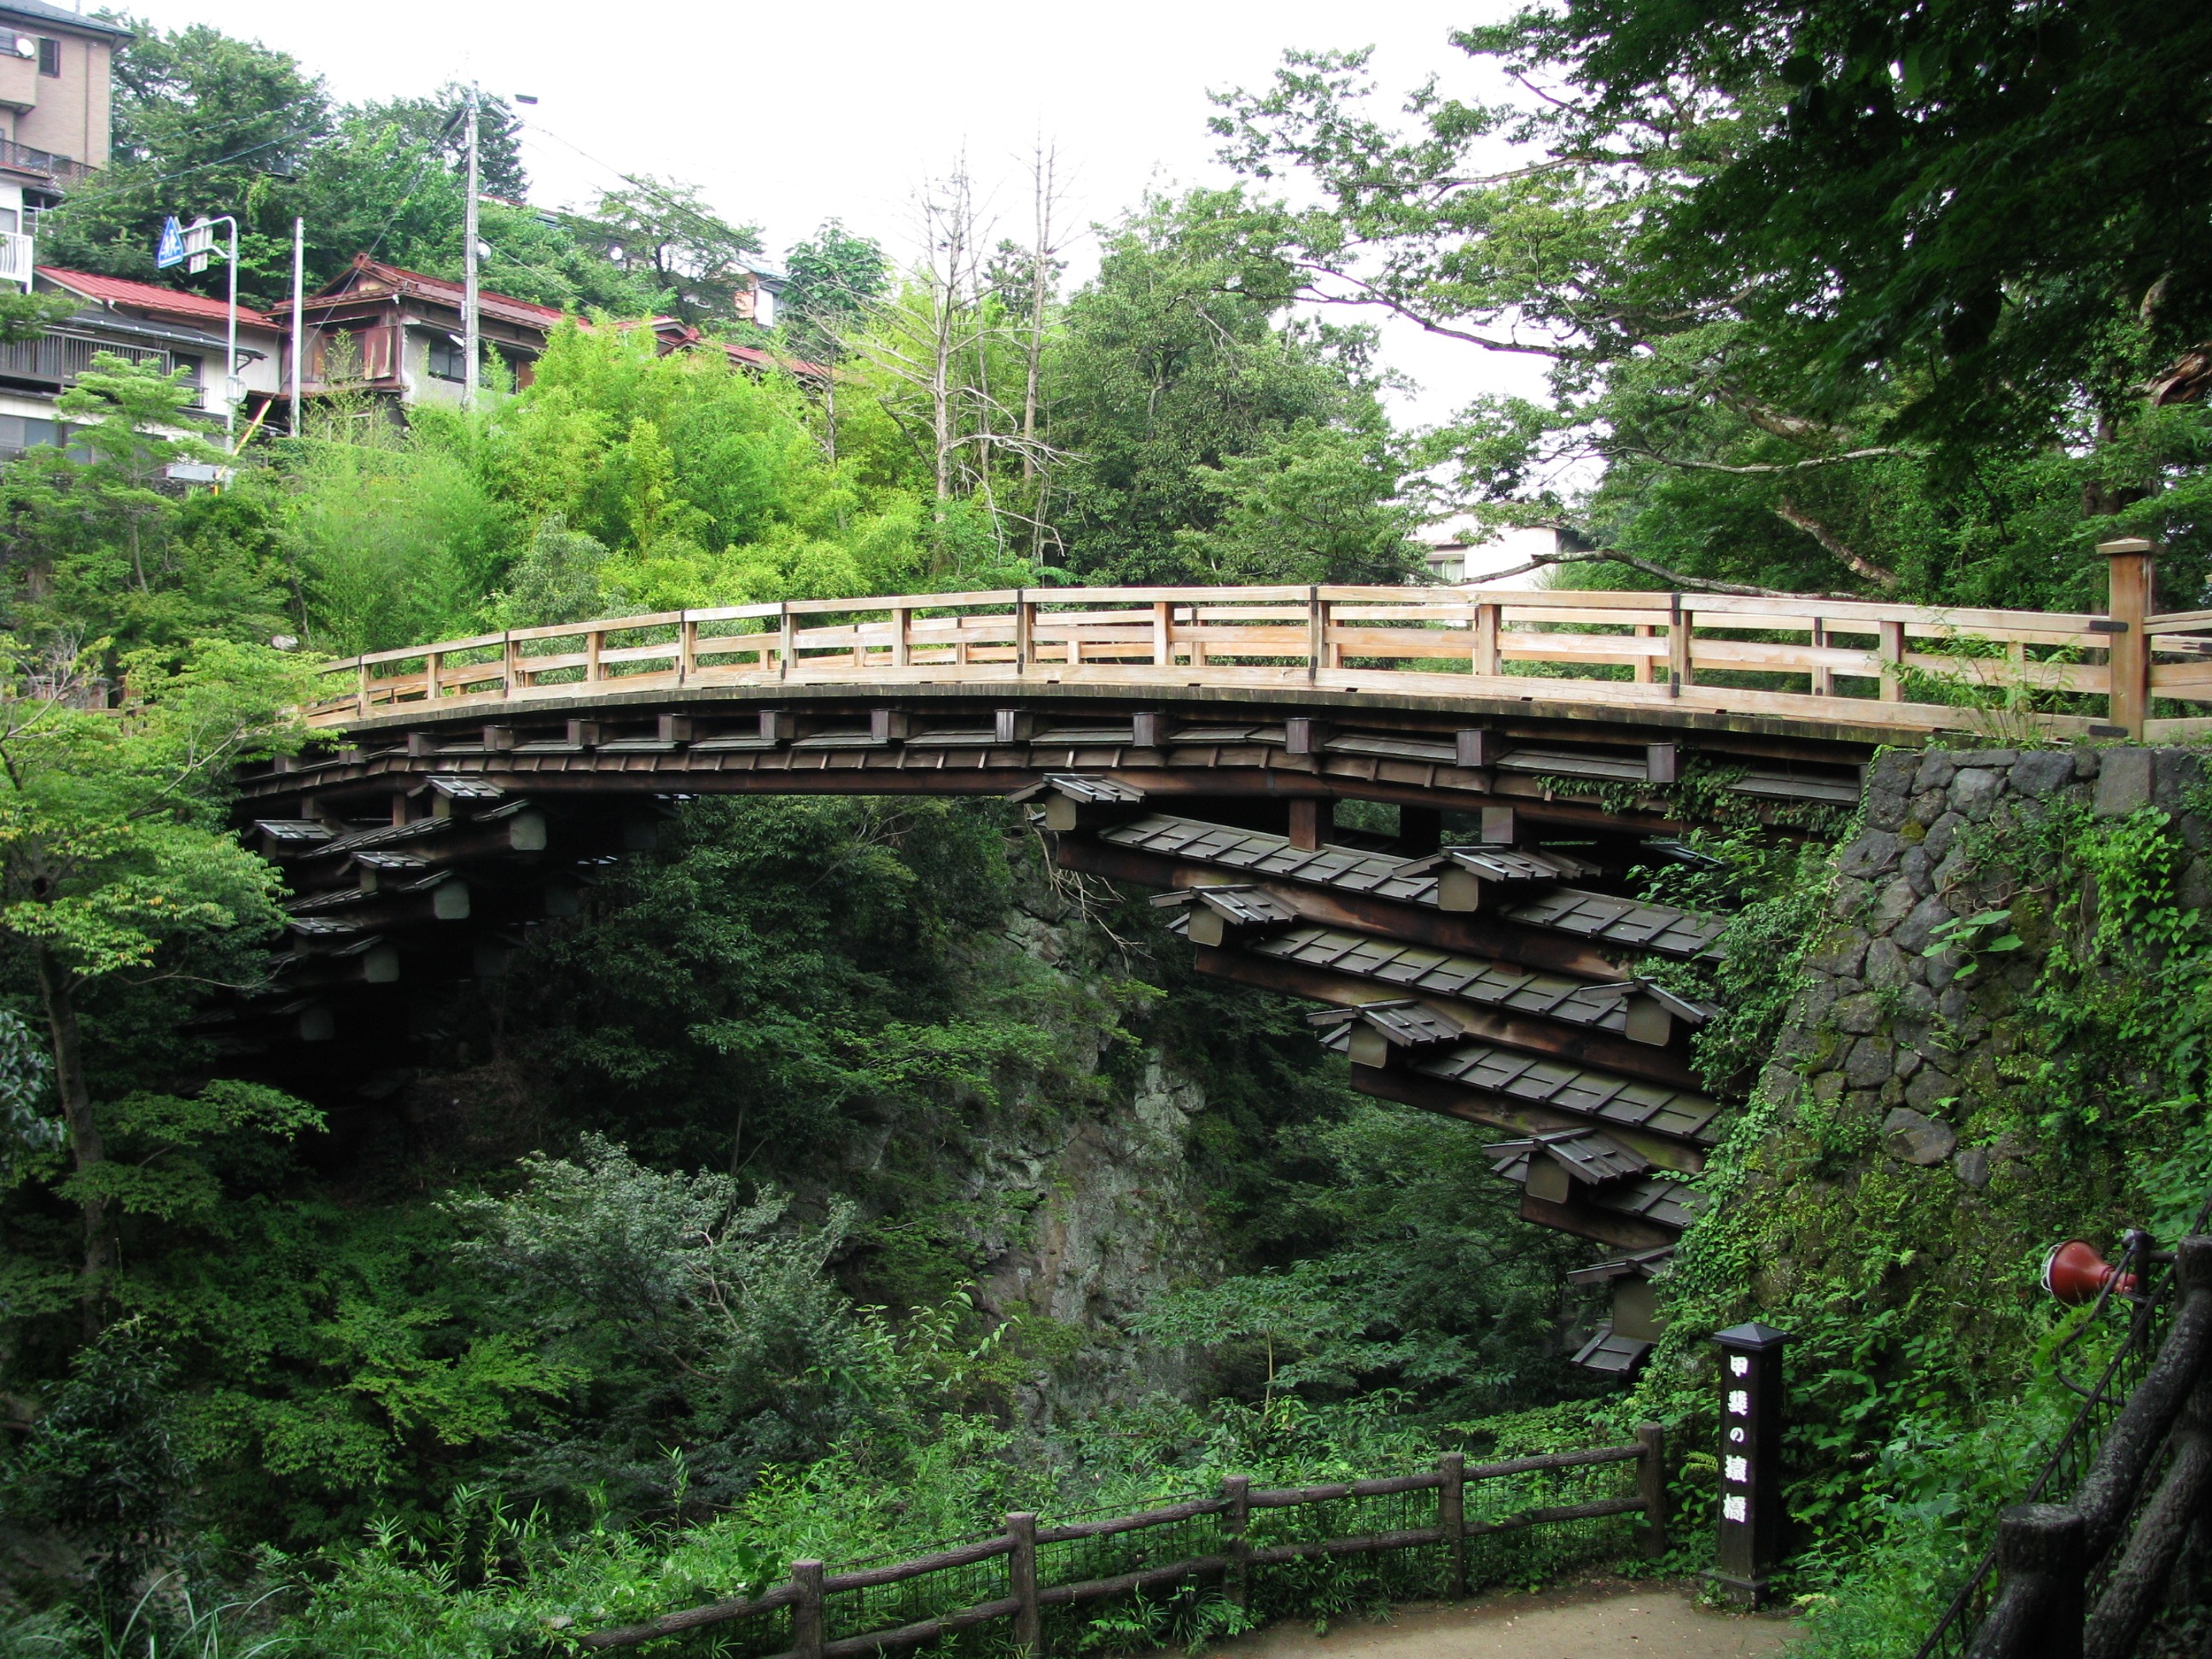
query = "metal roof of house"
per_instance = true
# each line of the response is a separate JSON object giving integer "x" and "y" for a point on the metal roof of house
{"x": 368, "y": 279}
{"x": 150, "y": 296}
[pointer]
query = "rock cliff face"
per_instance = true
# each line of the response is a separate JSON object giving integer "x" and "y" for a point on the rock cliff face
{"x": 1082, "y": 1213}
{"x": 1907, "y": 1073}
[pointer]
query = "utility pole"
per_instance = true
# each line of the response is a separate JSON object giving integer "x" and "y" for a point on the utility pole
{"x": 299, "y": 304}
{"x": 471, "y": 344}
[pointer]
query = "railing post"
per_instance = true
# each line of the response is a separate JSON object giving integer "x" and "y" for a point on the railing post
{"x": 1893, "y": 661}
{"x": 1022, "y": 1582}
{"x": 361, "y": 688}
{"x": 1652, "y": 1487}
{"x": 511, "y": 663}
{"x": 1642, "y": 670}
{"x": 1162, "y": 641}
{"x": 432, "y": 662}
{"x": 1025, "y": 617}
{"x": 902, "y": 635}
{"x": 783, "y": 639}
{"x": 2042, "y": 1565}
{"x": 1451, "y": 1516}
{"x": 1316, "y": 632}
{"x": 2129, "y": 562}
{"x": 807, "y": 1612}
{"x": 1823, "y": 678}
{"x": 687, "y": 649}
{"x": 1751, "y": 1460}
{"x": 1237, "y": 1493}
{"x": 594, "y": 638}
{"x": 1678, "y": 646}
{"x": 1487, "y": 618}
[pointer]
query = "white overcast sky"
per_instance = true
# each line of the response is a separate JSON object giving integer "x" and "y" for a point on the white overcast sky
{"x": 787, "y": 114}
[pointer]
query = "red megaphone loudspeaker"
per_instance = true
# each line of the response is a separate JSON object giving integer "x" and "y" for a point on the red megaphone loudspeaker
{"x": 2076, "y": 1275}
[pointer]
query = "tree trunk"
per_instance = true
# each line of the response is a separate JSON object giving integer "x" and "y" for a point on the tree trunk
{"x": 86, "y": 1145}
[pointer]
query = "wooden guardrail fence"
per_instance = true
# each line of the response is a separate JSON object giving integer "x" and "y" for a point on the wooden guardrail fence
{"x": 1229, "y": 1531}
{"x": 1857, "y": 661}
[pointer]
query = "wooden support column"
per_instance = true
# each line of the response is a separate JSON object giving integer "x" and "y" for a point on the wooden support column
{"x": 902, "y": 636}
{"x": 1310, "y": 821}
{"x": 1163, "y": 636}
{"x": 783, "y": 641}
{"x": 1652, "y": 1487}
{"x": 2128, "y": 603}
{"x": 431, "y": 664}
{"x": 511, "y": 668}
{"x": 1643, "y": 674}
{"x": 361, "y": 688}
{"x": 1022, "y": 1583}
{"x": 1486, "y": 629}
{"x": 1236, "y": 1522}
{"x": 2043, "y": 1566}
{"x": 806, "y": 1611}
{"x": 686, "y": 650}
{"x": 1451, "y": 1515}
{"x": 1316, "y": 632}
{"x": 1024, "y": 623}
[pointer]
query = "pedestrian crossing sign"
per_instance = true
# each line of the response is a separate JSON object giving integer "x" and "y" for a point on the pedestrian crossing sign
{"x": 170, "y": 251}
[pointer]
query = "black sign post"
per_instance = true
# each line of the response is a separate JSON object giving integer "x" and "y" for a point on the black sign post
{"x": 1751, "y": 1460}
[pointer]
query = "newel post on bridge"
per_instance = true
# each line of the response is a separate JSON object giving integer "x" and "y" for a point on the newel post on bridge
{"x": 2130, "y": 562}
{"x": 1751, "y": 1404}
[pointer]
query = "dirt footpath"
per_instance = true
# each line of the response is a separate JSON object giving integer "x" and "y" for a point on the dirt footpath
{"x": 1606, "y": 1617}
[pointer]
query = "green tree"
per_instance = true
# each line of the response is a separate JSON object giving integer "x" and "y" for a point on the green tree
{"x": 115, "y": 861}
{"x": 1177, "y": 359}
{"x": 665, "y": 236}
{"x": 834, "y": 277}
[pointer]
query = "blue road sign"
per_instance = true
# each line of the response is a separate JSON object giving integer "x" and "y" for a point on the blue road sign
{"x": 170, "y": 251}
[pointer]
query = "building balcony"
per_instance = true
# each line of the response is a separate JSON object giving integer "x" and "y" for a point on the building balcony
{"x": 17, "y": 256}
{"x": 22, "y": 158}
{"x": 56, "y": 360}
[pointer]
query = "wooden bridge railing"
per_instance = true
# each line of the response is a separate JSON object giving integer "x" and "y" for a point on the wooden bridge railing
{"x": 1054, "y": 1567}
{"x": 1855, "y": 660}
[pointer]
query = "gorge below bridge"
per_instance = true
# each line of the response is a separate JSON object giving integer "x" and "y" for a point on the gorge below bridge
{"x": 1481, "y": 960}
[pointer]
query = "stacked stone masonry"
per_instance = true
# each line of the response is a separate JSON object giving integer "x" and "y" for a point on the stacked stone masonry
{"x": 1886, "y": 1026}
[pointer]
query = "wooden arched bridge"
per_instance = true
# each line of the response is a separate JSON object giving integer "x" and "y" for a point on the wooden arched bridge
{"x": 1481, "y": 959}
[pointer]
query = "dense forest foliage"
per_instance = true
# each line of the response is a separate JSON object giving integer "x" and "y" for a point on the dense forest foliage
{"x": 675, "y": 1258}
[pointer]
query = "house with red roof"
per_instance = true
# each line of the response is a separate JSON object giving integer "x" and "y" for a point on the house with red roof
{"x": 398, "y": 333}
{"x": 144, "y": 323}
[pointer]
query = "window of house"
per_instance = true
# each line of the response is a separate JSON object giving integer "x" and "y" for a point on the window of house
{"x": 7, "y": 224}
{"x": 50, "y": 56}
{"x": 448, "y": 361}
